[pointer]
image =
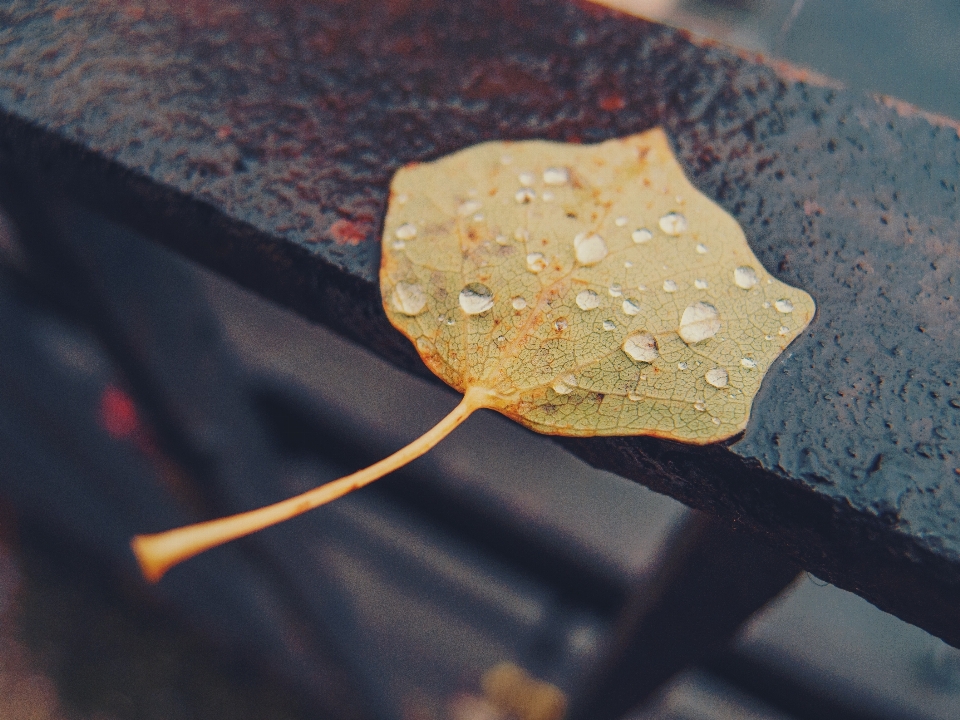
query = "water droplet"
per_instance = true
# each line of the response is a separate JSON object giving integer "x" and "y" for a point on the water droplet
{"x": 519, "y": 303}
{"x": 716, "y": 421}
{"x": 620, "y": 221}
{"x": 766, "y": 304}
{"x": 641, "y": 287}
{"x": 630, "y": 307}
{"x": 407, "y": 231}
{"x": 560, "y": 324}
{"x": 440, "y": 319}
{"x": 681, "y": 366}
{"x": 641, "y": 347}
{"x": 556, "y": 176}
{"x": 561, "y": 388}
{"x": 524, "y": 195}
{"x": 521, "y": 235}
{"x": 615, "y": 290}
{"x": 399, "y": 244}
{"x": 701, "y": 284}
{"x": 502, "y": 240}
{"x": 589, "y": 248}
{"x": 526, "y": 178}
{"x": 745, "y": 277}
{"x": 588, "y": 300}
{"x": 501, "y": 340}
{"x": 669, "y": 286}
{"x": 717, "y": 377}
{"x": 702, "y": 249}
{"x": 547, "y": 196}
{"x": 673, "y": 223}
{"x": 478, "y": 217}
{"x": 641, "y": 235}
{"x": 536, "y": 262}
{"x": 451, "y": 321}
{"x": 699, "y": 406}
{"x": 469, "y": 207}
{"x": 768, "y": 337}
{"x": 748, "y": 363}
{"x": 409, "y": 298}
{"x": 783, "y": 305}
{"x": 699, "y": 322}
{"x": 402, "y": 199}
{"x": 784, "y": 330}
{"x": 609, "y": 325}
{"x": 506, "y": 159}
{"x": 476, "y": 298}
{"x": 627, "y": 264}
{"x": 634, "y": 396}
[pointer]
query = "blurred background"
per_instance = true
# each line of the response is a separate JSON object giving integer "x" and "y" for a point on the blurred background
{"x": 500, "y": 558}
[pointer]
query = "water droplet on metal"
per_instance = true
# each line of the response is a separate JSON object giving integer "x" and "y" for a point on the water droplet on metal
{"x": 526, "y": 178}
{"x": 407, "y": 231}
{"x": 469, "y": 207}
{"x": 641, "y": 347}
{"x": 673, "y": 223}
{"x": 589, "y": 248}
{"x": 524, "y": 195}
{"x": 620, "y": 221}
{"x": 634, "y": 396}
{"x": 609, "y": 325}
{"x": 630, "y": 307}
{"x": 702, "y": 249}
{"x": 536, "y": 262}
{"x": 783, "y": 305}
{"x": 745, "y": 277}
{"x": 521, "y": 235}
{"x": 588, "y": 300}
{"x": 560, "y": 324}
{"x": 701, "y": 284}
{"x": 748, "y": 363}
{"x": 519, "y": 303}
{"x": 476, "y": 298}
{"x": 641, "y": 235}
{"x": 409, "y": 298}
{"x": 699, "y": 406}
{"x": 615, "y": 290}
{"x": 699, "y": 322}
{"x": 556, "y": 176}
{"x": 717, "y": 377}
{"x": 669, "y": 286}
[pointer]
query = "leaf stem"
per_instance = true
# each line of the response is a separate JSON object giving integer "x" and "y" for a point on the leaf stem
{"x": 159, "y": 552}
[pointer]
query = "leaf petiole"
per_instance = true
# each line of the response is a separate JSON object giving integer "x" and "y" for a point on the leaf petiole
{"x": 159, "y": 552}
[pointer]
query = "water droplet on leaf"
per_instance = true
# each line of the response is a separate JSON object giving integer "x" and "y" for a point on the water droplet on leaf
{"x": 669, "y": 286}
{"x": 469, "y": 207}
{"x": 745, "y": 277}
{"x": 717, "y": 377}
{"x": 519, "y": 303}
{"x": 641, "y": 236}
{"x": 699, "y": 322}
{"x": 476, "y": 298}
{"x": 630, "y": 307}
{"x": 590, "y": 248}
{"x": 641, "y": 347}
{"x": 673, "y": 223}
{"x": 588, "y": 300}
{"x": 783, "y": 306}
{"x": 407, "y": 231}
{"x": 536, "y": 262}
{"x": 409, "y": 298}
{"x": 555, "y": 176}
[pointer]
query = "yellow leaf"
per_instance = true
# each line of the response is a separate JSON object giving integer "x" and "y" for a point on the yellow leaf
{"x": 580, "y": 290}
{"x": 586, "y": 290}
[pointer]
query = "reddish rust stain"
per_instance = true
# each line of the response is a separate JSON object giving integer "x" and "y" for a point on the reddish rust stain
{"x": 613, "y": 102}
{"x": 347, "y": 232}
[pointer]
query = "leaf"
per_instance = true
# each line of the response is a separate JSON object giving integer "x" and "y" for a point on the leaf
{"x": 588, "y": 290}
{"x": 580, "y": 290}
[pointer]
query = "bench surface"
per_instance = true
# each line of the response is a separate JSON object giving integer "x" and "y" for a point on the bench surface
{"x": 260, "y": 139}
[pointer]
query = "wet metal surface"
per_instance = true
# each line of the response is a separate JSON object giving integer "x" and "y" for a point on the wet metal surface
{"x": 260, "y": 139}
